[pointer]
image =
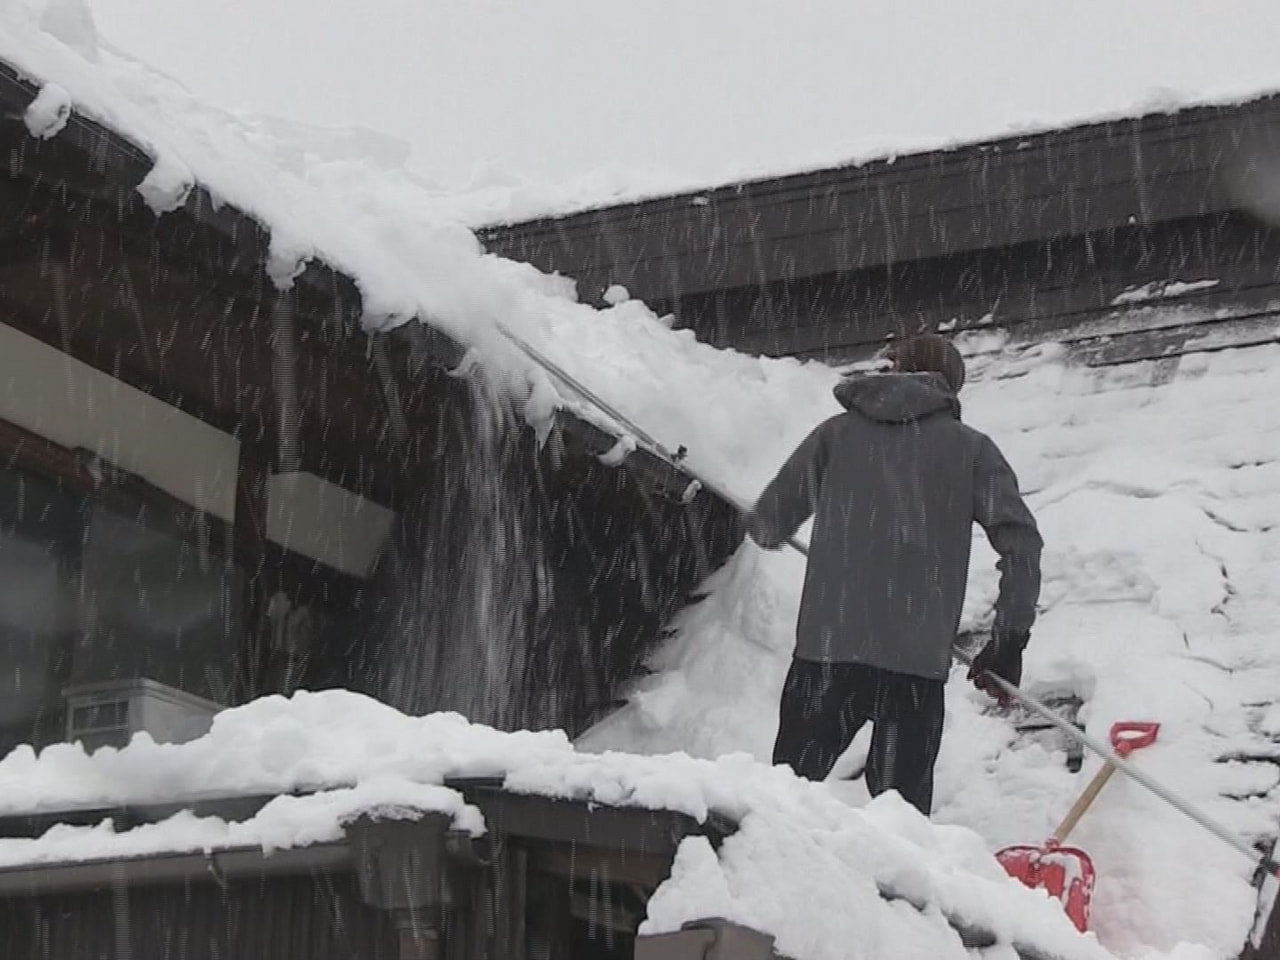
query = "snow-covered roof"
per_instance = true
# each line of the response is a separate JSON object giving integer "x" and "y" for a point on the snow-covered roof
{"x": 1156, "y": 488}
{"x": 801, "y": 866}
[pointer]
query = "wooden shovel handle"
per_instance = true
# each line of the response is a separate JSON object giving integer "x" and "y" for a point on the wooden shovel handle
{"x": 1086, "y": 800}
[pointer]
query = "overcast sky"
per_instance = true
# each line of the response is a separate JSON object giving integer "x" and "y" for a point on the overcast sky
{"x": 702, "y": 89}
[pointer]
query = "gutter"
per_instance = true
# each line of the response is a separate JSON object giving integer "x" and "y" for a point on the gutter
{"x": 160, "y": 869}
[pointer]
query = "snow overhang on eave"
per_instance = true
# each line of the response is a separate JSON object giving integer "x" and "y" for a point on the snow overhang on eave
{"x": 1157, "y": 167}
{"x": 320, "y": 291}
{"x": 646, "y": 839}
{"x": 575, "y": 838}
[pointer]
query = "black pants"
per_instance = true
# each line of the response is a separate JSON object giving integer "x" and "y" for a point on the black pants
{"x": 824, "y": 705}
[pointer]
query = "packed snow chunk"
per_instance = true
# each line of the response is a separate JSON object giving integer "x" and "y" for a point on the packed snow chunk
{"x": 49, "y": 112}
{"x": 616, "y": 294}
{"x": 167, "y": 185}
{"x": 695, "y": 868}
{"x": 623, "y": 448}
{"x": 1170, "y": 289}
{"x": 554, "y": 285}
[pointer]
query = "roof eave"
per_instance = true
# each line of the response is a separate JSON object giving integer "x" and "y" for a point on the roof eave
{"x": 1156, "y": 167}
{"x": 322, "y": 290}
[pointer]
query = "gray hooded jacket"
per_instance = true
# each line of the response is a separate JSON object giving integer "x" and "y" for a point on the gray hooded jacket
{"x": 894, "y": 485}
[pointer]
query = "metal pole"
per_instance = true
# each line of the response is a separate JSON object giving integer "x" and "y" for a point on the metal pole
{"x": 1133, "y": 772}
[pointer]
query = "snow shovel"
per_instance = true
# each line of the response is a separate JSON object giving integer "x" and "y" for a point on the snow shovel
{"x": 1264, "y": 863}
{"x": 1067, "y": 873}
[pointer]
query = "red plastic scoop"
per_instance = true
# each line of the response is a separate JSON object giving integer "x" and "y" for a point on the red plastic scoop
{"x": 1066, "y": 873}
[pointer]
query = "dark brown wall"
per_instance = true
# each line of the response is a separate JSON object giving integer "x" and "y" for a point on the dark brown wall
{"x": 1043, "y": 286}
{"x": 307, "y": 918}
{"x": 1017, "y": 190}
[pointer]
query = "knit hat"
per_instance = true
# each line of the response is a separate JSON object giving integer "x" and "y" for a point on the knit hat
{"x": 928, "y": 353}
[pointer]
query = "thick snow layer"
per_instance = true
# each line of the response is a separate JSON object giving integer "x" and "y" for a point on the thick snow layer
{"x": 285, "y": 822}
{"x": 381, "y": 227}
{"x": 533, "y": 108}
{"x": 1157, "y": 498}
{"x": 805, "y": 866}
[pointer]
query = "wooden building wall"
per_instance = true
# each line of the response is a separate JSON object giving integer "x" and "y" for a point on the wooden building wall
{"x": 1044, "y": 231}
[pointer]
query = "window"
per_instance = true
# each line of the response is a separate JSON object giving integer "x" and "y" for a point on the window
{"x": 40, "y": 530}
{"x": 101, "y": 586}
{"x": 154, "y": 603}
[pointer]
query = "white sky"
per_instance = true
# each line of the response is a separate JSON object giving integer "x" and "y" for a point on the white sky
{"x": 696, "y": 91}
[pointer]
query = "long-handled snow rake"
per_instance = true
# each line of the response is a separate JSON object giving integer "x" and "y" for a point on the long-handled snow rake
{"x": 1266, "y": 867}
{"x": 1067, "y": 873}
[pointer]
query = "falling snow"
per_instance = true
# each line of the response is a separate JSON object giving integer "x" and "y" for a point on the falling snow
{"x": 1156, "y": 496}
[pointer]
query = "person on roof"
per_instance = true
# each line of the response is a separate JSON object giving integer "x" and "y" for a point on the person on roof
{"x": 894, "y": 485}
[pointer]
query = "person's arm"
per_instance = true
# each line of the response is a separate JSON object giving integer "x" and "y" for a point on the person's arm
{"x": 1011, "y": 530}
{"x": 792, "y": 496}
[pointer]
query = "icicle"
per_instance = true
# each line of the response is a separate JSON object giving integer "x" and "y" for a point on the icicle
{"x": 616, "y": 294}
{"x": 540, "y": 408}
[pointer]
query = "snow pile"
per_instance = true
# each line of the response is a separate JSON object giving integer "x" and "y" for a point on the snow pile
{"x": 804, "y": 866}
{"x": 1157, "y": 499}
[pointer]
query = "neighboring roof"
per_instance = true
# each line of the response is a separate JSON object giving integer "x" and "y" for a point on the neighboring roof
{"x": 801, "y": 865}
{"x": 1159, "y": 167}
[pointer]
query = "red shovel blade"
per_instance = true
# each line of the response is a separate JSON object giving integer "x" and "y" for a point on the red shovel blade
{"x": 1065, "y": 873}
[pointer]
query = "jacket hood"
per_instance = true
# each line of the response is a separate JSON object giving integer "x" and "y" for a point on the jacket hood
{"x": 897, "y": 397}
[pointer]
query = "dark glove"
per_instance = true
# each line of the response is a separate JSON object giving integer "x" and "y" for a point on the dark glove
{"x": 762, "y": 533}
{"x": 1001, "y": 656}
